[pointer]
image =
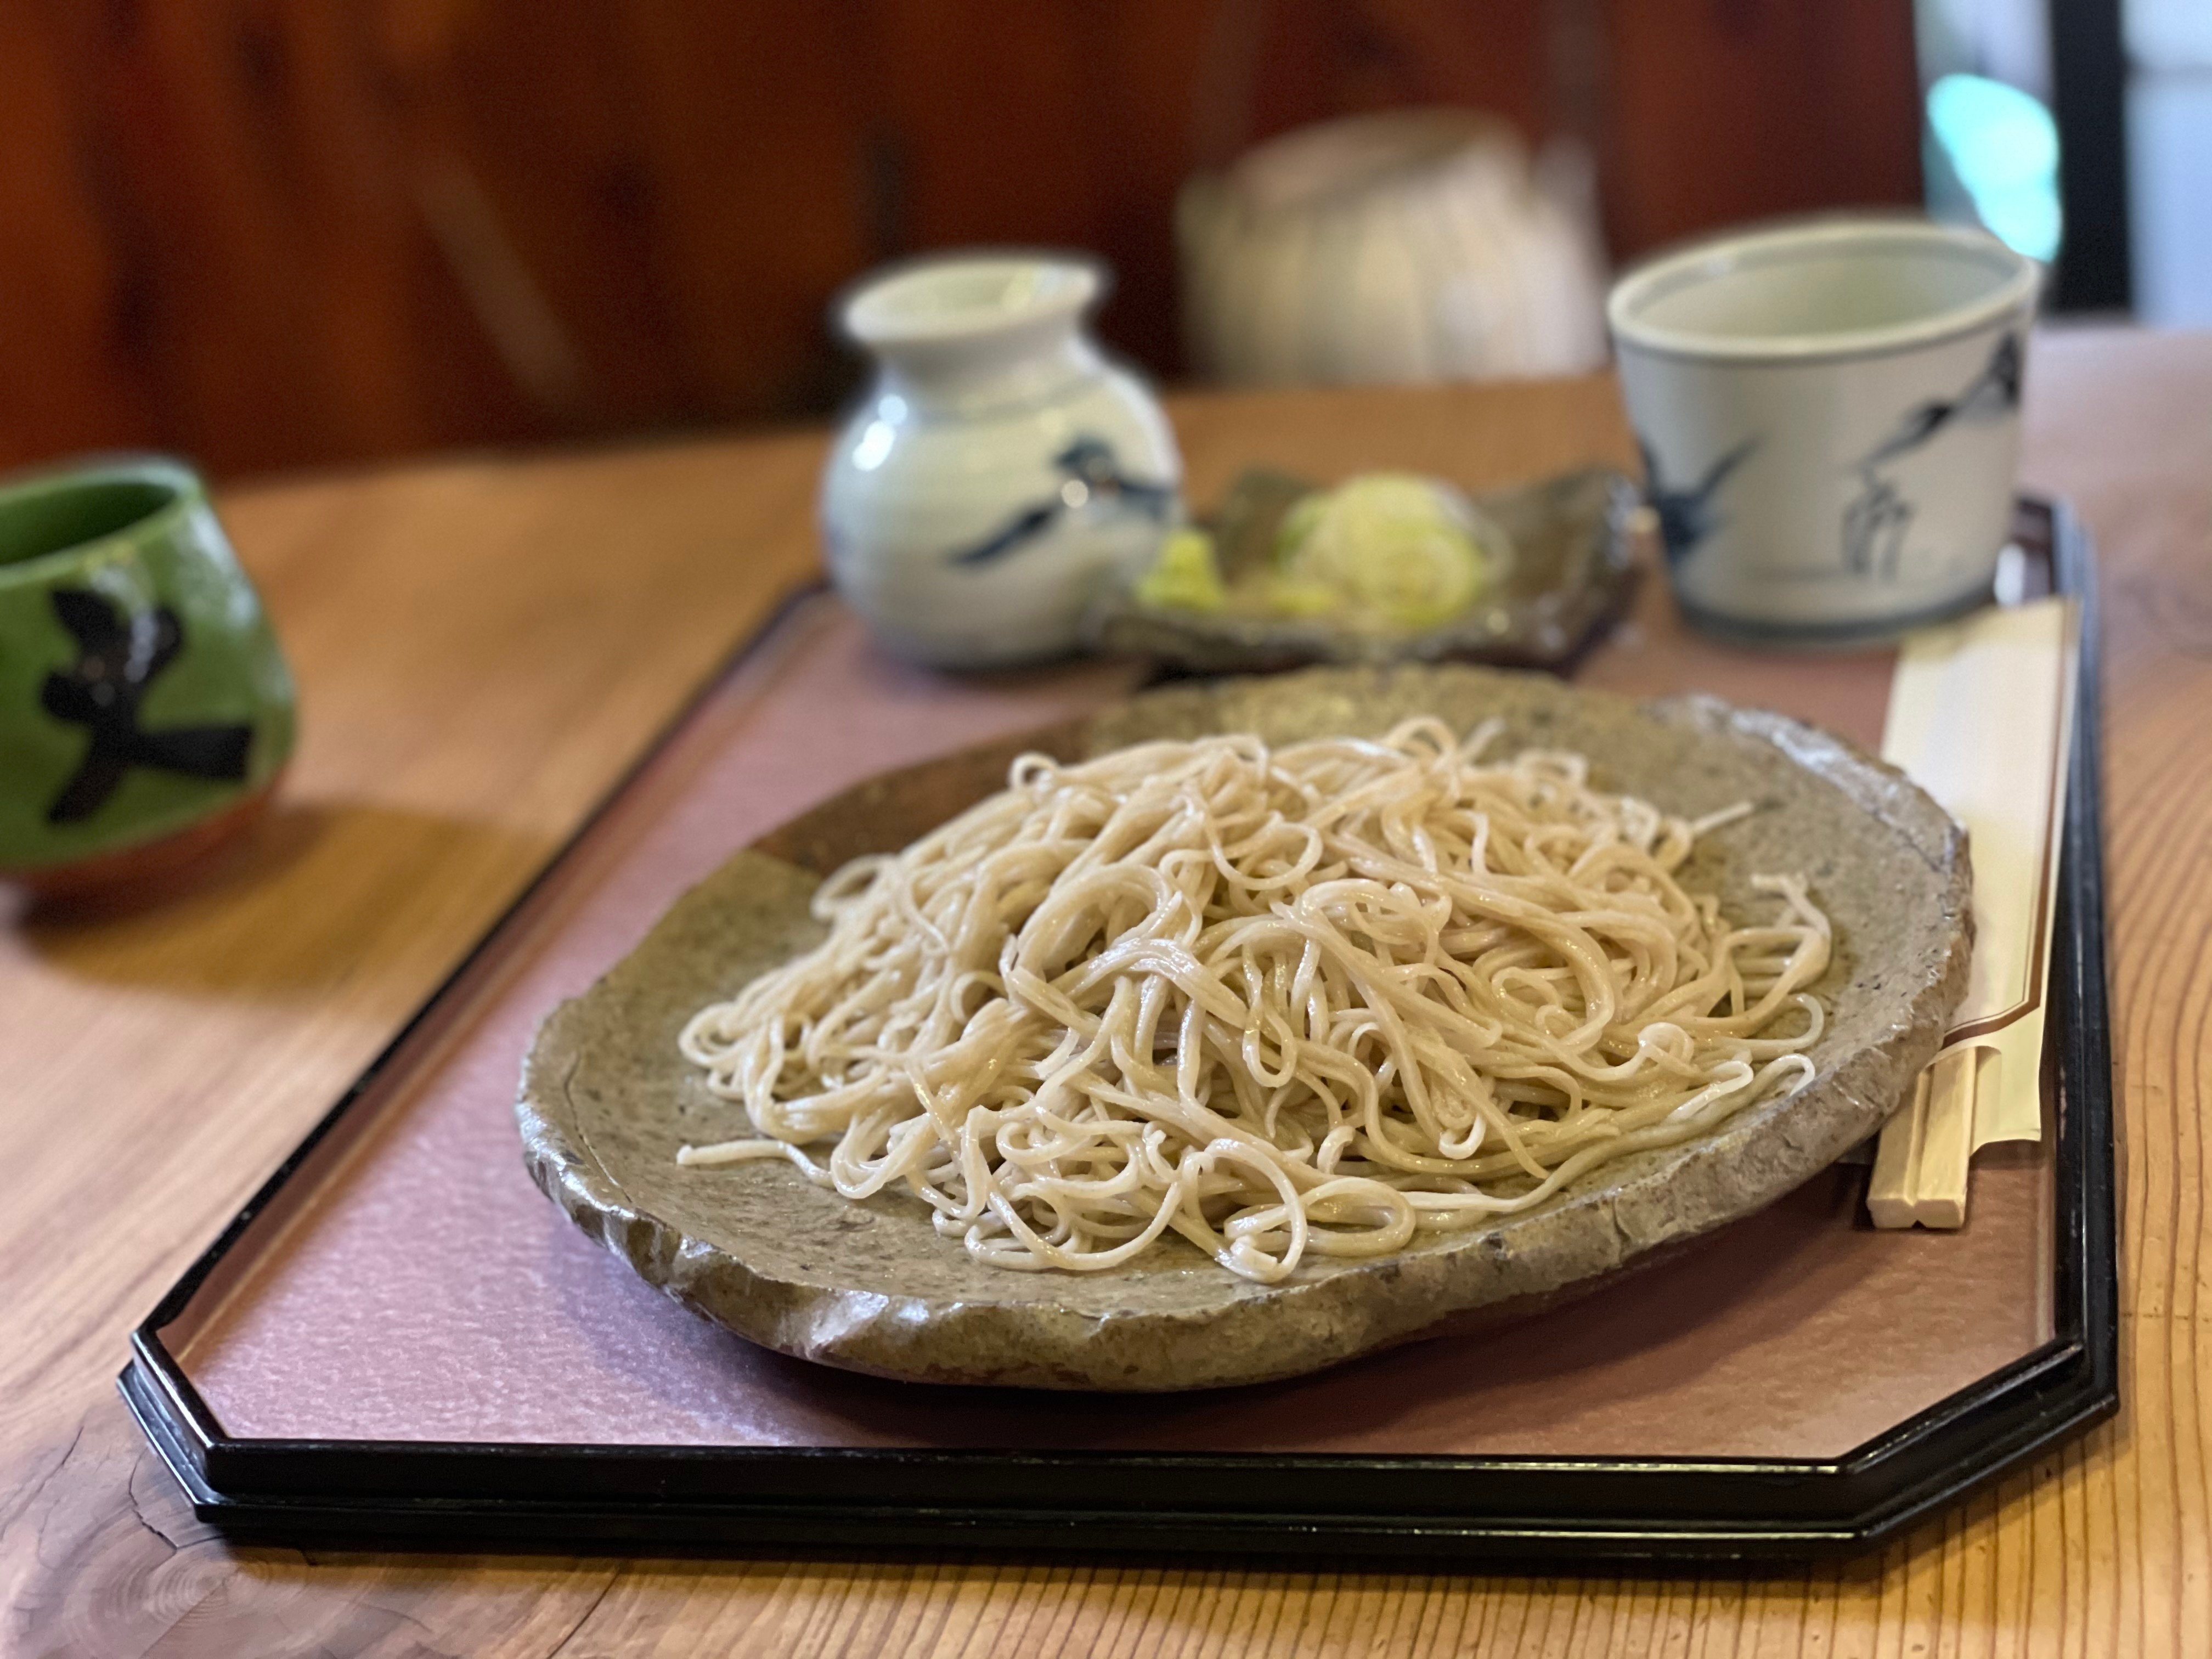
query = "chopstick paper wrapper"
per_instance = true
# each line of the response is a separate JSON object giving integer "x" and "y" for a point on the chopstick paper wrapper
{"x": 1981, "y": 716}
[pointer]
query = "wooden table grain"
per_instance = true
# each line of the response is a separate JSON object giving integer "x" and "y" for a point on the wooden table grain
{"x": 484, "y": 643}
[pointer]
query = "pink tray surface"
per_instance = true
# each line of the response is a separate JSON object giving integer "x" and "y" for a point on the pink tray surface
{"x": 411, "y": 1284}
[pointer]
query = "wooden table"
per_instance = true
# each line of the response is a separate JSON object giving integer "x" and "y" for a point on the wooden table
{"x": 483, "y": 643}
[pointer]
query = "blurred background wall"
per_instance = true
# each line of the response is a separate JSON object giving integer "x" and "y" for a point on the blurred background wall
{"x": 277, "y": 233}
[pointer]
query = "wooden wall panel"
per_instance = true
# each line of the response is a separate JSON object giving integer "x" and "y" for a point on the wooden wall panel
{"x": 536, "y": 179}
{"x": 1723, "y": 110}
{"x": 273, "y": 233}
{"x": 65, "y": 380}
{"x": 756, "y": 134}
{"x": 272, "y": 285}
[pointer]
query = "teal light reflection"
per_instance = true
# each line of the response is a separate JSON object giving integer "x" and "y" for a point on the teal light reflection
{"x": 2003, "y": 146}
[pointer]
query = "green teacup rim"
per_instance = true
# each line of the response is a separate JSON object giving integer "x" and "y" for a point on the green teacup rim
{"x": 190, "y": 492}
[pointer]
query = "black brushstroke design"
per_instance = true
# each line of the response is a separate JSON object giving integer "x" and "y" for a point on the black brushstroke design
{"x": 118, "y": 662}
{"x": 1687, "y": 516}
{"x": 1991, "y": 394}
{"x": 1091, "y": 463}
{"x": 1875, "y": 519}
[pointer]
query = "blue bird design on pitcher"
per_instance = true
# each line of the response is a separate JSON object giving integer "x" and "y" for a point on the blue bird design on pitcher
{"x": 1093, "y": 472}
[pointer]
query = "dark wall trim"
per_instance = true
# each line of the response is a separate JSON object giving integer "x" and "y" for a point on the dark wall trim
{"x": 2089, "y": 85}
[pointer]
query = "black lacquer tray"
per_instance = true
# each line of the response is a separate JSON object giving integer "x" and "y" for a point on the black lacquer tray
{"x": 313, "y": 1377}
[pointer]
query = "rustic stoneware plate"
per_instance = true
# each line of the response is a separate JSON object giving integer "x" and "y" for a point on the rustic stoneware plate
{"x": 606, "y": 1099}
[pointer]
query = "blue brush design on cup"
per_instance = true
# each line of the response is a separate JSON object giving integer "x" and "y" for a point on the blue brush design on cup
{"x": 1687, "y": 516}
{"x": 1878, "y": 518}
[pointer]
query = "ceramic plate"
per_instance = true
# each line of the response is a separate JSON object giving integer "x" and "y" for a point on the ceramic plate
{"x": 607, "y": 1099}
{"x": 1569, "y": 577}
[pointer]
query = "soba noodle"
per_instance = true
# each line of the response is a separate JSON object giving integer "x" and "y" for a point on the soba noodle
{"x": 1302, "y": 1001}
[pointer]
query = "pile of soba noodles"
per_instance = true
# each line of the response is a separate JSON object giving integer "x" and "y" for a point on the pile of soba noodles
{"x": 1312, "y": 1001}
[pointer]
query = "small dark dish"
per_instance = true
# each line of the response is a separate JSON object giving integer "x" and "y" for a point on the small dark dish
{"x": 1569, "y": 579}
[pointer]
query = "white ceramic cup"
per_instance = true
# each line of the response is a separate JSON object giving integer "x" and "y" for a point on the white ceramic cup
{"x": 1829, "y": 417}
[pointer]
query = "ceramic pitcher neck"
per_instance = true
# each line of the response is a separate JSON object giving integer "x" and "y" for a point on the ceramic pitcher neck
{"x": 1017, "y": 364}
{"x": 968, "y": 333}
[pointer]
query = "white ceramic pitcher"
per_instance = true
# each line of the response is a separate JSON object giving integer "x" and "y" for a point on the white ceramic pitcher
{"x": 1000, "y": 471}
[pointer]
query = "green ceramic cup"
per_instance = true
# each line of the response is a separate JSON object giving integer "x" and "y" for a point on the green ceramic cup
{"x": 145, "y": 709}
